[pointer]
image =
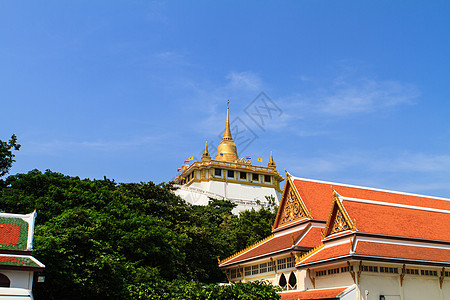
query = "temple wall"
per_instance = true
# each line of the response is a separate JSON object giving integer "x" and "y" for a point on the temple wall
{"x": 19, "y": 279}
{"x": 413, "y": 288}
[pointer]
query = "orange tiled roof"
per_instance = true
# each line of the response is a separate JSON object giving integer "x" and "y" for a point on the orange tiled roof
{"x": 313, "y": 294}
{"x": 9, "y": 234}
{"x": 311, "y": 239}
{"x": 274, "y": 244}
{"x": 398, "y": 221}
{"x": 403, "y": 252}
{"x": 380, "y": 250}
{"x": 328, "y": 252}
{"x": 317, "y": 196}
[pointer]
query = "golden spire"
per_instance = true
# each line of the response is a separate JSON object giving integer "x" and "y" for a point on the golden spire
{"x": 205, "y": 155}
{"x": 206, "y": 149}
{"x": 227, "y": 132}
{"x": 227, "y": 149}
{"x": 271, "y": 163}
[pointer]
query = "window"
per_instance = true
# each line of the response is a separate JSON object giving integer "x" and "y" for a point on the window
{"x": 282, "y": 283}
{"x": 370, "y": 268}
{"x": 255, "y": 177}
{"x": 248, "y": 271}
{"x": 321, "y": 273}
{"x": 388, "y": 270}
{"x": 428, "y": 272}
{"x": 281, "y": 264}
{"x": 269, "y": 267}
{"x": 347, "y": 269}
{"x": 233, "y": 274}
{"x": 292, "y": 281}
{"x": 255, "y": 269}
{"x": 412, "y": 271}
{"x": 230, "y": 174}
{"x": 263, "y": 268}
{"x": 289, "y": 262}
{"x": 243, "y": 175}
{"x": 217, "y": 172}
{"x": 333, "y": 271}
{"x": 267, "y": 178}
{"x": 4, "y": 281}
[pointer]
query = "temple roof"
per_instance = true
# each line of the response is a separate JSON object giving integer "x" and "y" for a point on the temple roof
{"x": 307, "y": 238}
{"x": 9, "y": 261}
{"x": 332, "y": 293}
{"x": 16, "y": 231}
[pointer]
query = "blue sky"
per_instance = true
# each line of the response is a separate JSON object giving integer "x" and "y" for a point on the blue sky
{"x": 347, "y": 91}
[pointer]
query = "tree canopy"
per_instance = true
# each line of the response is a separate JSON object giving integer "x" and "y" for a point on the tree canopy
{"x": 6, "y": 154}
{"x": 99, "y": 239}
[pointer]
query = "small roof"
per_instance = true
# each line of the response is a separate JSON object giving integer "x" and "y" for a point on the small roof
{"x": 11, "y": 261}
{"x": 16, "y": 231}
{"x": 317, "y": 196}
{"x": 378, "y": 251}
{"x": 307, "y": 238}
{"x": 333, "y": 293}
{"x": 400, "y": 221}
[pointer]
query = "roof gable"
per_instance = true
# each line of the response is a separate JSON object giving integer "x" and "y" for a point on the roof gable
{"x": 291, "y": 208}
{"x": 338, "y": 221}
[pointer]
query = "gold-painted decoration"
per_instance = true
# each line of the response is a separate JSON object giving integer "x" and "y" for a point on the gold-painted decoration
{"x": 339, "y": 223}
{"x": 338, "y": 219}
{"x": 245, "y": 250}
{"x": 292, "y": 208}
{"x": 227, "y": 151}
{"x": 271, "y": 163}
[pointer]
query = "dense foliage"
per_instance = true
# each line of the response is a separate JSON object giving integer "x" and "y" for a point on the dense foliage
{"x": 100, "y": 239}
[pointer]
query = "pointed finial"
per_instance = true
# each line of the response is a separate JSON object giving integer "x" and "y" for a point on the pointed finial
{"x": 271, "y": 163}
{"x": 206, "y": 149}
{"x": 205, "y": 155}
{"x": 227, "y": 133}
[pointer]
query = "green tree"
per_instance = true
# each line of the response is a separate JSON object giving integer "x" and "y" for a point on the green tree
{"x": 6, "y": 154}
{"x": 99, "y": 239}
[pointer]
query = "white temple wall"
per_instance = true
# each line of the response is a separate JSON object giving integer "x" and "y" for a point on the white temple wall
{"x": 413, "y": 288}
{"x": 334, "y": 280}
{"x": 19, "y": 279}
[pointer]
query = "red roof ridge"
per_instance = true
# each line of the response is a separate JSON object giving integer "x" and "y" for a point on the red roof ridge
{"x": 376, "y": 202}
{"x": 367, "y": 188}
{"x": 245, "y": 249}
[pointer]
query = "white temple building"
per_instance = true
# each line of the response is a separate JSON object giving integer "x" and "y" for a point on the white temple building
{"x": 229, "y": 177}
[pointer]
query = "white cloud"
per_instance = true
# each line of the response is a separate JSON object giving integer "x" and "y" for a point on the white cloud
{"x": 247, "y": 81}
{"x": 364, "y": 96}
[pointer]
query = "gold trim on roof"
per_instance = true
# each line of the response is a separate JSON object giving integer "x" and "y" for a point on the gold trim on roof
{"x": 337, "y": 214}
{"x": 309, "y": 253}
{"x": 245, "y": 250}
{"x": 291, "y": 206}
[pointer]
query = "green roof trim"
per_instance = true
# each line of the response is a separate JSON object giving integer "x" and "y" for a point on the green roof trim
{"x": 23, "y": 236}
{"x": 18, "y": 261}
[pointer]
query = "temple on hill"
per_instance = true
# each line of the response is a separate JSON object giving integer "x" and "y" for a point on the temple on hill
{"x": 339, "y": 241}
{"x": 18, "y": 269}
{"x": 229, "y": 177}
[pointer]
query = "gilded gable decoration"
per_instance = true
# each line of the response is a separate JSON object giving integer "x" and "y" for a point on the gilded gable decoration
{"x": 338, "y": 220}
{"x": 339, "y": 223}
{"x": 292, "y": 209}
{"x": 291, "y": 206}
